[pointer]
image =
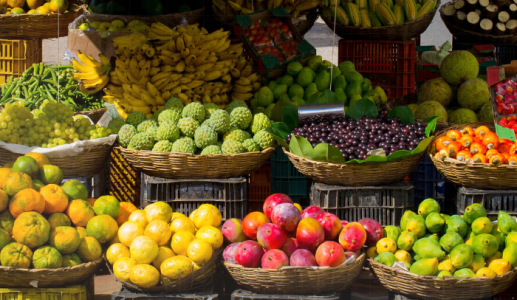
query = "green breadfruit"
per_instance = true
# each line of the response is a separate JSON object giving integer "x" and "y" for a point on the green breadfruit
{"x": 167, "y": 131}
{"x": 142, "y": 141}
{"x": 209, "y": 109}
{"x": 234, "y": 104}
{"x": 115, "y": 125}
{"x": 175, "y": 104}
{"x": 142, "y": 127}
{"x": 251, "y": 145}
{"x": 183, "y": 146}
{"x": 169, "y": 115}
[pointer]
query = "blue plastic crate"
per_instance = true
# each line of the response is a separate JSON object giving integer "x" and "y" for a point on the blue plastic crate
{"x": 290, "y": 187}
{"x": 282, "y": 167}
{"x": 427, "y": 181}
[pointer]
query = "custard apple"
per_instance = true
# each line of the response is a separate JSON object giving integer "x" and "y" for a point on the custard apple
{"x": 251, "y": 145}
{"x": 188, "y": 126}
{"x": 220, "y": 121}
{"x": 232, "y": 147}
{"x": 142, "y": 141}
{"x": 207, "y": 123}
{"x": 169, "y": 115}
{"x": 125, "y": 134}
{"x": 236, "y": 134}
{"x": 191, "y": 142}
{"x": 142, "y": 127}
{"x": 167, "y": 131}
{"x": 264, "y": 139}
{"x": 157, "y": 113}
{"x": 152, "y": 131}
{"x": 209, "y": 109}
{"x": 260, "y": 121}
{"x": 183, "y": 146}
{"x": 205, "y": 136}
{"x": 135, "y": 118}
{"x": 212, "y": 149}
{"x": 162, "y": 146}
{"x": 234, "y": 104}
{"x": 195, "y": 111}
{"x": 115, "y": 125}
{"x": 241, "y": 117}
{"x": 175, "y": 104}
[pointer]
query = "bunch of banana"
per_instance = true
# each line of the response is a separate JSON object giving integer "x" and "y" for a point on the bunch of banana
{"x": 227, "y": 9}
{"x": 91, "y": 74}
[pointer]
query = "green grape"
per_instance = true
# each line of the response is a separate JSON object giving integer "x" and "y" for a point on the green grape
{"x": 44, "y": 145}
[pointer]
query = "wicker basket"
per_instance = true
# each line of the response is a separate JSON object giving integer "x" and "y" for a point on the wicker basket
{"x": 46, "y": 278}
{"x": 479, "y": 176}
{"x": 88, "y": 163}
{"x": 94, "y": 114}
{"x": 431, "y": 287}
{"x": 47, "y": 26}
{"x": 401, "y": 32}
{"x": 188, "y": 166}
{"x": 477, "y": 37}
{"x": 297, "y": 280}
{"x": 200, "y": 280}
{"x": 365, "y": 174}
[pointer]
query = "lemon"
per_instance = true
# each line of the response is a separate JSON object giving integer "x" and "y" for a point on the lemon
{"x": 114, "y": 240}
{"x": 159, "y": 231}
{"x": 115, "y": 252}
{"x": 485, "y": 272}
{"x": 144, "y": 249}
{"x": 118, "y": 24}
{"x": 372, "y": 252}
{"x": 211, "y": 235}
{"x": 138, "y": 216}
{"x": 500, "y": 266}
{"x": 95, "y": 24}
{"x": 206, "y": 215}
{"x": 31, "y": 12}
{"x": 122, "y": 267}
{"x": 177, "y": 267}
{"x": 163, "y": 254}
{"x": 386, "y": 245}
{"x": 84, "y": 26}
{"x": 180, "y": 242}
{"x": 199, "y": 251}
{"x": 145, "y": 276}
{"x": 182, "y": 223}
{"x": 158, "y": 211}
{"x": 195, "y": 267}
{"x": 497, "y": 255}
{"x": 402, "y": 255}
{"x": 128, "y": 232}
{"x": 132, "y": 23}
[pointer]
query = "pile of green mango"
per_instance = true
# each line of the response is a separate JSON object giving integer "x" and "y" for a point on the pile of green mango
{"x": 302, "y": 85}
{"x": 430, "y": 243}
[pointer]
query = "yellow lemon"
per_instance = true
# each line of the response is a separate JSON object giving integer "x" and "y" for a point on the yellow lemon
{"x": 180, "y": 242}
{"x": 497, "y": 255}
{"x": 114, "y": 240}
{"x": 195, "y": 267}
{"x": 372, "y": 252}
{"x": 177, "y": 214}
{"x": 211, "y": 235}
{"x": 145, "y": 276}
{"x": 144, "y": 249}
{"x": 159, "y": 231}
{"x": 82, "y": 232}
{"x": 163, "y": 254}
{"x": 402, "y": 255}
{"x": 158, "y": 211}
{"x": 500, "y": 266}
{"x": 485, "y": 272}
{"x": 118, "y": 24}
{"x": 176, "y": 267}
{"x": 182, "y": 224}
{"x": 199, "y": 252}
{"x": 446, "y": 265}
{"x": 115, "y": 252}
{"x": 122, "y": 267}
{"x": 140, "y": 217}
{"x": 386, "y": 245}
{"x": 129, "y": 231}
{"x": 206, "y": 215}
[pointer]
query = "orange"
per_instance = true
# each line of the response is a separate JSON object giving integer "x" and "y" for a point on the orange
{"x": 51, "y": 174}
{"x": 40, "y": 158}
{"x": 75, "y": 190}
{"x": 163, "y": 254}
{"x": 7, "y": 221}
{"x": 199, "y": 252}
{"x": 31, "y": 230}
{"x": 58, "y": 6}
{"x": 65, "y": 239}
{"x": 144, "y": 276}
{"x": 3, "y": 174}
{"x": 177, "y": 267}
{"x": 206, "y": 215}
{"x": 5, "y": 238}
{"x": 26, "y": 164}
{"x": 144, "y": 249}
{"x": 58, "y": 219}
{"x": 15, "y": 182}
{"x": 297, "y": 205}
{"x": 103, "y": 228}
{"x": 129, "y": 231}
{"x": 180, "y": 241}
{"x": 107, "y": 205}
{"x": 89, "y": 249}
{"x": 56, "y": 200}
{"x": 182, "y": 224}
{"x": 37, "y": 184}
{"x": 47, "y": 257}
{"x": 10, "y": 163}
{"x": 79, "y": 212}
{"x": 33, "y": 4}
{"x": 91, "y": 201}
{"x": 4, "y": 200}
{"x": 115, "y": 252}
{"x": 26, "y": 200}
{"x": 211, "y": 235}
{"x": 15, "y": 3}
{"x": 158, "y": 211}
{"x": 140, "y": 217}
{"x": 43, "y": 10}
{"x": 159, "y": 231}
{"x": 71, "y": 260}
{"x": 16, "y": 255}
{"x": 126, "y": 208}
{"x": 122, "y": 267}
{"x": 82, "y": 232}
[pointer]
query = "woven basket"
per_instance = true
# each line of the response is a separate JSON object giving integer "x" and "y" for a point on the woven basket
{"x": 48, "y": 26}
{"x": 477, "y": 37}
{"x": 46, "y": 278}
{"x": 431, "y": 287}
{"x": 88, "y": 163}
{"x": 200, "y": 280}
{"x": 401, "y": 32}
{"x": 304, "y": 25}
{"x": 188, "y": 166}
{"x": 365, "y": 174}
{"x": 297, "y": 280}
{"x": 94, "y": 114}
{"x": 479, "y": 176}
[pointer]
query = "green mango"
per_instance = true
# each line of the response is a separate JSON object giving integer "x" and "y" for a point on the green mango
{"x": 314, "y": 62}
{"x": 269, "y": 109}
{"x": 287, "y": 80}
{"x": 477, "y": 263}
{"x": 297, "y": 100}
{"x": 510, "y": 253}
{"x": 286, "y": 100}
{"x": 445, "y": 217}
{"x": 258, "y": 110}
{"x": 310, "y": 90}
{"x": 434, "y": 222}
{"x": 443, "y": 274}
{"x": 406, "y": 240}
{"x": 354, "y": 99}
{"x": 392, "y": 232}
{"x": 511, "y": 237}
{"x": 505, "y": 222}
{"x": 428, "y": 206}
{"x": 325, "y": 65}
{"x": 339, "y": 82}
{"x": 428, "y": 248}
{"x": 474, "y": 211}
{"x": 432, "y": 236}
{"x": 305, "y": 77}
{"x": 462, "y": 256}
{"x": 279, "y": 90}
{"x": 366, "y": 85}
{"x": 485, "y": 245}
{"x": 407, "y": 264}
{"x": 499, "y": 236}
{"x": 457, "y": 224}
{"x": 294, "y": 68}
{"x": 405, "y": 218}
{"x": 382, "y": 93}
{"x": 465, "y": 272}
{"x": 254, "y": 101}
{"x": 322, "y": 80}
{"x": 354, "y": 77}
{"x": 425, "y": 267}
{"x": 416, "y": 257}
{"x": 353, "y": 88}
{"x": 482, "y": 225}
{"x": 336, "y": 72}
{"x": 373, "y": 95}
{"x": 296, "y": 90}
{"x": 416, "y": 225}
{"x": 340, "y": 94}
{"x": 272, "y": 84}
{"x": 386, "y": 258}
{"x": 346, "y": 65}
{"x": 450, "y": 240}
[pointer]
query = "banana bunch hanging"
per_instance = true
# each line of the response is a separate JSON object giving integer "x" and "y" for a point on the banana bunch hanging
{"x": 91, "y": 74}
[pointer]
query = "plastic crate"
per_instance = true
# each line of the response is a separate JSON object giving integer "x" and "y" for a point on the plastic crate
{"x": 282, "y": 167}
{"x": 247, "y": 295}
{"x": 186, "y": 195}
{"x": 124, "y": 294}
{"x": 504, "y": 53}
{"x": 74, "y": 292}
{"x": 492, "y": 200}
{"x": 386, "y": 204}
{"x": 427, "y": 181}
{"x": 16, "y": 56}
{"x": 124, "y": 180}
{"x": 259, "y": 187}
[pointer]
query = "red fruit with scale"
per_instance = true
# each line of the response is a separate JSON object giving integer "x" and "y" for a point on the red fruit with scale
{"x": 252, "y": 222}
{"x": 272, "y": 201}
{"x": 287, "y": 216}
{"x": 331, "y": 224}
{"x": 373, "y": 229}
{"x": 249, "y": 254}
{"x": 229, "y": 253}
{"x": 270, "y": 236}
{"x": 330, "y": 254}
{"x": 312, "y": 212}
{"x": 274, "y": 259}
{"x": 344, "y": 223}
{"x": 303, "y": 258}
{"x": 290, "y": 246}
{"x": 352, "y": 237}
{"x": 232, "y": 231}
{"x": 309, "y": 234}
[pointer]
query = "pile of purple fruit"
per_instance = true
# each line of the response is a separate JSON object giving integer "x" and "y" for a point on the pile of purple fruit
{"x": 356, "y": 138}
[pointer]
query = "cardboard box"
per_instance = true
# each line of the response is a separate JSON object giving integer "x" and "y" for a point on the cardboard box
{"x": 268, "y": 65}
{"x": 426, "y": 71}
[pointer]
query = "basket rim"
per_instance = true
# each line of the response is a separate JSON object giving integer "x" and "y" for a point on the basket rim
{"x": 53, "y": 271}
{"x": 80, "y": 8}
{"x": 89, "y": 13}
{"x": 186, "y": 155}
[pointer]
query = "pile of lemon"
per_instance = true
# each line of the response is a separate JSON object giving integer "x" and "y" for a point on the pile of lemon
{"x": 158, "y": 246}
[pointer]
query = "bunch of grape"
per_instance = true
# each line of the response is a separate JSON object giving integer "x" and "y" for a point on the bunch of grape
{"x": 51, "y": 125}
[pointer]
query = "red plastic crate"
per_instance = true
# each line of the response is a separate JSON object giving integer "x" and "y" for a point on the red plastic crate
{"x": 394, "y": 84}
{"x": 259, "y": 187}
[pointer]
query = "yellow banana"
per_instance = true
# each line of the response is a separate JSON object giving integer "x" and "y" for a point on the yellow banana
{"x": 243, "y": 81}
{"x": 166, "y": 95}
{"x": 152, "y": 89}
{"x": 235, "y": 73}
{"x": 242, "y": 88}
{"x": 87, "y": 61}
{"x": 224, "y": 46}
{"x": 213, "y": 75}
{"x": 194, "y": 84}
{"x": 104, "y": 59}
{"x": 199, "y": 90}
{"x": 121, "y": 76}
{"x": 180, "y": 43}
{"x": 144, "y": 71}
{"x": 160, "y": 100}
{"x": 154, "y": 71}
{"x": 241, "y": 63}
{"x": 92, "y": 75}
{"x": 188, "y": 40}
{"x": 171, "y": 85}
{"x": 159, "y": 76}
{"x": 246, "y": 71}
{"x": 176, "y": 91}
{"x": 148, "y": 99}
{"x": 180, "y": 67}
{"x": 241, "y": 96}
{"x": 253, "y": 77}
{"x": 155, "y": 62}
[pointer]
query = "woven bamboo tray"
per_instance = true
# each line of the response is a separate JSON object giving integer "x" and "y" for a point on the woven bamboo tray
{"x": 88, "y": 163}
{"x": 401, "y": 32}
{"x": 431, "y": 287}
{"x": 365, "y": 174}
{"x": 200, "y": 280}
{"x": 188, "y": 166}
{"x": 46, "y": 278}
{"x": 478, "y": 37}
{"x": 48, "y": 26}
{"x": 479, "y": 176}
{"x": 94, "y": 114}
{"x": 297, "y": 280}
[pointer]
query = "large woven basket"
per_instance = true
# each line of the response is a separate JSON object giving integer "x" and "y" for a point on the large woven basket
{"x": 297, "y": 280}
{"x": 199, "y": 280}
{"x": 88, "y": 163}
{"x": 365, "y": 174}
{"x": 401, "y": 32}
{"x": 47, "y": 26}
{"x": 431, "y": 287}
{"x": 46, "y": 278}
{"x": 477, "y": 37}
{"x": 94, "y": 114}
{"x": 479, "y": 176}
{"x": 188, "y": 166}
